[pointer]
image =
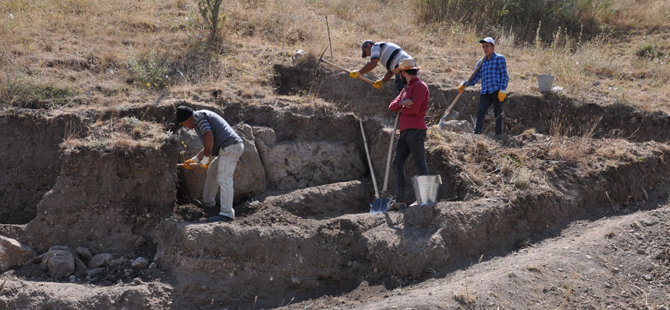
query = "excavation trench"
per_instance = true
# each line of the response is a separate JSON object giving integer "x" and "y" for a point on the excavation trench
{"x": 304, "y": 191}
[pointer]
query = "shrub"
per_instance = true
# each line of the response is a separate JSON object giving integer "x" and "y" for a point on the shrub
{"x": 20, "y": 91}
{"x": 647, "y": 50}
{"x": 523, "y": 17}
{"x": 148, "y": 70}
{"x": 210, "y": 10}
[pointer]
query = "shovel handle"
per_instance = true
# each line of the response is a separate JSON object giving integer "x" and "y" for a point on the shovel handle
{"x": 388, "y": 157}
{"x": 444, "y": 116}
{"x": 191, "y": 165}
{"x": 367, "y": 153}
{"x": 364, "y": 79}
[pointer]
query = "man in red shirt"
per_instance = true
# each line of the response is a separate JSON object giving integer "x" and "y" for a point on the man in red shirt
{"x": 412, "y": 105}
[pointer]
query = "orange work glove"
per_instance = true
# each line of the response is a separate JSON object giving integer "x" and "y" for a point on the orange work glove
{"x": 378, "y": 84}
{"x": 501, "y": 95}
{"x": 191, "y": 161}
{"x": 461, "y": 87}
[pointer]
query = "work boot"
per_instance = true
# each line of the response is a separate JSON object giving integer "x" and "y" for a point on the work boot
{"x": 397, "y": 205}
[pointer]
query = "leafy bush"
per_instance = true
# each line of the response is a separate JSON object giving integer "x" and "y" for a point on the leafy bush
{"x": 148, "y": 70}
{"x": 522, "y": 17}
{"x": 647, "y": 50}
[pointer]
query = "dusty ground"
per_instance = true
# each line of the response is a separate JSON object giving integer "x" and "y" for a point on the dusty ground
{"x": 618, "y": 262}
{"x": 569, "y": 212}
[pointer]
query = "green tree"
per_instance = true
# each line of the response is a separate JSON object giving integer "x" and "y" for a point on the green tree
{"x": 213, "y": 19}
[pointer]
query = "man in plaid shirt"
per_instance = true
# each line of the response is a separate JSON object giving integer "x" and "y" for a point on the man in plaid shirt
{"x": 493, "y": 74}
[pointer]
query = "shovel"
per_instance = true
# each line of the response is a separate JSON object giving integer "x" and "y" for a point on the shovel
{"x": 377, "y": 203}
{"x": 332, "y": 65}
{"x": 386, "y": 202}
{"x": 444, "y": 116}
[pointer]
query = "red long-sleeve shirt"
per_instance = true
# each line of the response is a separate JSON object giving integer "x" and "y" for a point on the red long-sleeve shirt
{"x": 412, "y": 117}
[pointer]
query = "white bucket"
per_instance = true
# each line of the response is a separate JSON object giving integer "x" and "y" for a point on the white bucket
{"x": 425, "y": 188}
{"x": 544, "y": 82}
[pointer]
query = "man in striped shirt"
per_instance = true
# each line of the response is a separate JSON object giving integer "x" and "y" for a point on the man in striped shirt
{"x": 493, "y": 74}
{"x": 219, "y": 140}
{"x": 388, "y": 55}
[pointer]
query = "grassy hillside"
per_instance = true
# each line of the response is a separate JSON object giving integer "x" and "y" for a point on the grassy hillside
{"x": 110, "y": 53}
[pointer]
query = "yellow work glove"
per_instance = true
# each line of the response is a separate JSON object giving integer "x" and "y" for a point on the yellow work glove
{"x": 501, "y": 95}
{"x": 354, "y": 74}
{"x": 191, "y": 161}
{"x": 461, "y": 87}
{"x": 204, "y": 163}
{"x": 378, "y": 84}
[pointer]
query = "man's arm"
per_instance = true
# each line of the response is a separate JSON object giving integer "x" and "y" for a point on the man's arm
{"x": 369, "y": 66}
{"x": 209, "y": 144}
{"x": 477, "y": 76}
{"x": 387, "y": 76}
{"x": 418, "y": 98}
{"x": 505, "y": 75}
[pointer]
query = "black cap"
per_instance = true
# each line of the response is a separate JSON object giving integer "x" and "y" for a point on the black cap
{"x": 183, "y": 113}
{"x": 363, "y": 46}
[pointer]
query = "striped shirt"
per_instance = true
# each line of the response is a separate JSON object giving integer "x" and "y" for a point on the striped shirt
{"x": 388, "y": 54}
{"x": 224, "y": 135}
{"x": 493, "y": 74}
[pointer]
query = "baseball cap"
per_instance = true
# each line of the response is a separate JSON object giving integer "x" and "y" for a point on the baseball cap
{"x": 366, "y": 42}
{"x": 183, "y": 113}
{"x": 488, "y": 40}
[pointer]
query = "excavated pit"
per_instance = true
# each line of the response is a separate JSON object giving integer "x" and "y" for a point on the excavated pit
{"x": 31, "y": 160}
{"x": 303, "y": 230}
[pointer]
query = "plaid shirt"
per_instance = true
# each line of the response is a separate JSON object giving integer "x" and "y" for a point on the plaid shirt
{"x": 493, "y": 74}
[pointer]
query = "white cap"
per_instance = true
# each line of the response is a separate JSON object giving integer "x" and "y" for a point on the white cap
{"x": 488, "y": 40}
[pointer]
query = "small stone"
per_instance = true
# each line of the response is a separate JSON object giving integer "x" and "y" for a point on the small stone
{"x": 152, "y": 265}
{"x": 92, "y": 273}
{"x": 84, "y": 253}
{"x": 13, "y": 253}
{"x": 138, "y": 281}
{"x": 647, "y": 277}
{"x": 140, "y": 263}
{"x": 60, "y": 263}
{"x": 650, "y": 221}
{"x": 73, "y": 279}
{"x": 100, "y": 260}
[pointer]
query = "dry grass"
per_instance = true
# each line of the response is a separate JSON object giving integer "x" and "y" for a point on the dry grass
{"x": 120, "y": 134}
{"x": 79, "y": 45}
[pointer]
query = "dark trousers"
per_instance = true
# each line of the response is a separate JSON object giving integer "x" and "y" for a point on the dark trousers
{"x": 485, "y": 102}
{"x": 411, "y": 141}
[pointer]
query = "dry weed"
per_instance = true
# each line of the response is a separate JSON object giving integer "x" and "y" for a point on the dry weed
{"x": 261, "y": 33}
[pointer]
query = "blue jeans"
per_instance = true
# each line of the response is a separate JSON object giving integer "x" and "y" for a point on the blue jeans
{"x": 411, "y": 141}
{"x": 485, "y": 102}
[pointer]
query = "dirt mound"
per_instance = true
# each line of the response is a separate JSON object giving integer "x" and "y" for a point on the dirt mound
{"x": 115, "y": 191}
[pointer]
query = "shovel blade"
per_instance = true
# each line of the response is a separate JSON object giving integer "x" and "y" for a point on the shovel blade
{"x": 386, "y": 203}
{"x": 376, "y": 206}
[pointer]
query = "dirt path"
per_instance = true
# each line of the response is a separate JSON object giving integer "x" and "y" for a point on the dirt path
{"x": 618, "y": 262}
